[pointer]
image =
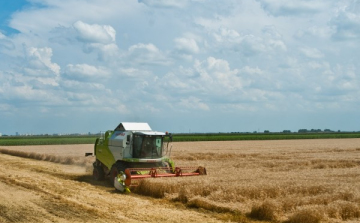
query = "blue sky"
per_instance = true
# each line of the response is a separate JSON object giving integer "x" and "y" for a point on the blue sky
{"x": 182, "y": 66}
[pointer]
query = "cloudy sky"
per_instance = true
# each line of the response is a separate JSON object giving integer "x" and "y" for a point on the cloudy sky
{"x": 71, "y": 66}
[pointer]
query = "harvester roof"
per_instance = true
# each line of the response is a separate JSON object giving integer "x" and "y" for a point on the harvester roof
{"x": 133, "y": 126}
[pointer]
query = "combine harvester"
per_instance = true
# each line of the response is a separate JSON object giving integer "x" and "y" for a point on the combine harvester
{"x": 133, "y": 151}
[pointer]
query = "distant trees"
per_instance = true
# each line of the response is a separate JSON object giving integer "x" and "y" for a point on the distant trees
{"x": 314, "y": 130}
{"x": 286, "y": 131}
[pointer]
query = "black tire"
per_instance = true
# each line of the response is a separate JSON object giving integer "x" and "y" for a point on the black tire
{"x": 115, "y": 169}
{"x": 98, "y": 173}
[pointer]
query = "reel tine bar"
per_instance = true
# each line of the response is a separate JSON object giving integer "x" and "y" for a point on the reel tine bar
{"x": 154, "y": 172}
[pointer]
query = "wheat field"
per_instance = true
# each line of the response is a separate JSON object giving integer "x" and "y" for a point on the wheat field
{"x": 279, "y": 181}
{"x": 291, "y": 181}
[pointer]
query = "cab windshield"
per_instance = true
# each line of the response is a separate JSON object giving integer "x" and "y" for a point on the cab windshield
{"x": 149, "y": 147}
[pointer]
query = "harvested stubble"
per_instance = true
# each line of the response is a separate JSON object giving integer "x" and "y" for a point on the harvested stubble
{"x": 296, "y": 181}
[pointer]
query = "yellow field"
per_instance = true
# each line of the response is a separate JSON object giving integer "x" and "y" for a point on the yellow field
{"x": 247, "y": 181}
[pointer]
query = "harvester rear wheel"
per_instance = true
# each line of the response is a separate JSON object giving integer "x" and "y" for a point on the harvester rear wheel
{"x": 98, "y": 173}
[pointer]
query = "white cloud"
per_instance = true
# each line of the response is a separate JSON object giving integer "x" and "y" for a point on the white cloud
{"x": 251, "y": 70}
{"x": 347, "y": 22}
{"x": 193, "y": 103}
{"x": 271, "y": 32}
{"x": 78, "y": 86}
{"x": 318, "y": 65}
{"x": 27, "y": 93}
{"x": 312, "y": 53}
{"x": 46, "y": 15}
{"x": 134, "y": 73}
{"x": 165, "y": 57}
{"x": 249, "y": 44}
{"x": 186, "y": 45}
{"x": 316, "y": 32}
{"x": 95, "y": 33}
{"x": 5, "y": 43}
{"x": 146, "y": 54}
{"x": 100, "y": 39}
{"x": 228, "y": 35}
{"x": 39, "y": 62}
{"x": 219, "y": 65}
{"x": 212, "y": 77}
{"x": 278, "y": 44}
{"x": 165, "y": 3}
{"x": 252, "y": 45}
{"x": 151, "y": 48}
{"x": 85, "y": 72}
{"x": 291, "y": 8}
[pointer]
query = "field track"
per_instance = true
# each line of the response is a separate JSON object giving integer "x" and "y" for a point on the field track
{"x": 276, "y": 181}
{"x": 40, "y": 191}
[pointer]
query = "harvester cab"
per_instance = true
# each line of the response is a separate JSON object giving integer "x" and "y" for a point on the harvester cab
{"x": 134, "y": 151}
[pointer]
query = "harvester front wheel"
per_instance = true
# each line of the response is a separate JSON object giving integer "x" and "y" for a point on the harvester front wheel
{"x": 98, "y": 173}
{"x": 115, "y": 169}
